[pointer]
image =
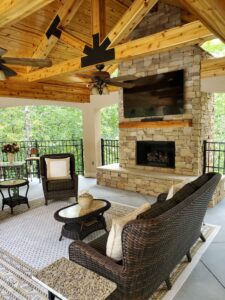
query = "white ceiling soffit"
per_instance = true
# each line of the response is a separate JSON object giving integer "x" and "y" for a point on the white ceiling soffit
{"x": 213, "y": 84}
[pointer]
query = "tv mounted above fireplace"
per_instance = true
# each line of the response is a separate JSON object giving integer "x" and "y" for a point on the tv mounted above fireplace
{"x": 157, "y": 95}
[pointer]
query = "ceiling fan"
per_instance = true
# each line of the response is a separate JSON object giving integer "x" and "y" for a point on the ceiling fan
{"x": 8, "y": 72}
{"x": 100, "y": 79}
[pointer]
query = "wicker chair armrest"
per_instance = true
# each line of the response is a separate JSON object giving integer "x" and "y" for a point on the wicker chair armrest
{"x": 74, "y": 176}
{"x": 162, "y": 197}
{"x": 88, "y": 257}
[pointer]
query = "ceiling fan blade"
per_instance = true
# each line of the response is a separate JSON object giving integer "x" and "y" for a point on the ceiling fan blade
{"x": 125, "y": 78}
{"x": 27, "y": 61}
{"x": 83, "y": 75}
{"x": 126, "y": 85}
{"x": 7, "y": 71}
{"x": 3, "y": 51}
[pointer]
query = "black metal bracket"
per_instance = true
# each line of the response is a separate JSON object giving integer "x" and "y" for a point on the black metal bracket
{"x": 98, "y": 53}
{"x": 53, "y": 29}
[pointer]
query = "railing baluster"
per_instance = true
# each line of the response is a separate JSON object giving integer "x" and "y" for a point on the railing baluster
{"x": 49, "y": 147}
{"x": 214, "y": 157}
{"x": 109, "y": 151}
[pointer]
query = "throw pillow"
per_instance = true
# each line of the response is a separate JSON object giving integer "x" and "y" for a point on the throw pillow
{"x": 58, "y": 168}
{"x": 114, "y": 242}
{"x": 176, "y": 187}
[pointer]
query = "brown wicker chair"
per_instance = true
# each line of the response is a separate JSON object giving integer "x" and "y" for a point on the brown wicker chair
{"x": 152, "y": 245}
{"x": 61, "y": 188}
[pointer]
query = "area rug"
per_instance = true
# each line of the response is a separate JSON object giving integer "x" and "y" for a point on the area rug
{"x": 29, "y": 241}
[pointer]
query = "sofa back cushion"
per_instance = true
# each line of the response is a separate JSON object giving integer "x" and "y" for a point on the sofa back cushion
{"x": 158, "y": 208}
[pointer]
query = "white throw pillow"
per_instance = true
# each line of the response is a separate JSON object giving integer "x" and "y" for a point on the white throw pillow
{"x": 176, "y": 187}
{"x": 114, "y": 242}
{"x": 58, "y": 168}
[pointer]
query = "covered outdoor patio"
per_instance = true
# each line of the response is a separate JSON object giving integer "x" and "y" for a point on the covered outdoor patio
{"x": 136, "y": 218}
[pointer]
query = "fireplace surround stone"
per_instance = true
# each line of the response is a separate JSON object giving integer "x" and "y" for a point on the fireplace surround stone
{"x": 188, "y": 140}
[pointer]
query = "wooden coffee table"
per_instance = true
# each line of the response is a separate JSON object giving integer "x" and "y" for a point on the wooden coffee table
{"x": 69, "y": 281}
{"x": 81, "y": 222}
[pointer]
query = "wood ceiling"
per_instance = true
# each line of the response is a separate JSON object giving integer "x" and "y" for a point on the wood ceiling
{"x": 24, "y": 23}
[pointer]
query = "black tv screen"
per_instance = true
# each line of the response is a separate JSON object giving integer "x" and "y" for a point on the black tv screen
{"x": 157, "y": 95}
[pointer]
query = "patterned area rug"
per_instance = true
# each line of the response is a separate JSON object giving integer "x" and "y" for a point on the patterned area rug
{"x": 29, "y": 241}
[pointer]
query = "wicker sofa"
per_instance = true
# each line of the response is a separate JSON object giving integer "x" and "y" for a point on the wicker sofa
{"x": 152, "y": 245}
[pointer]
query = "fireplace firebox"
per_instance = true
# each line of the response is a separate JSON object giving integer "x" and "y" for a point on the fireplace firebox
{"x": 156, "y": 154}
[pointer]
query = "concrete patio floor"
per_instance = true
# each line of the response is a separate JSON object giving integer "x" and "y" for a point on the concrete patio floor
{"x": 207, "y": 281}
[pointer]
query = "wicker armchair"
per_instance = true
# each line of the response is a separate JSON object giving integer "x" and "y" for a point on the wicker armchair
{"x": 60, "y": 188}
{"x": 152, "y": 245}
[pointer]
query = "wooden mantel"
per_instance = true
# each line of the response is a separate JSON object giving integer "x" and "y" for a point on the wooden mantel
{"x": 156, "y": 124}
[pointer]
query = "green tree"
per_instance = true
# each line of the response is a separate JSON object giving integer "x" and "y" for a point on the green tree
{"x": 40, "y": 122}
{"x": 109, "y": 122}
{"x": 219, "y": 126}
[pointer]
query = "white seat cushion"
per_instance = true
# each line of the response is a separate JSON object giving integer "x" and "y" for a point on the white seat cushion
{"x": 58, "y": 168}
{"x": 114, "y": 242}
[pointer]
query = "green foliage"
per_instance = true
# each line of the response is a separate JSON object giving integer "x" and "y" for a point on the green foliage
{"x": 51, "y": 123}
{"x": 219, "y": 117}
{"x": 215, "y": 47}
{"x": 109, "y": 122}
{"x": 40, "y": 123}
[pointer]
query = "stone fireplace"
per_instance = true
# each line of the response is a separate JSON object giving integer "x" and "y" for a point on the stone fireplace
{"x": 179, "y": 138}
{"x": 155, "y": 153}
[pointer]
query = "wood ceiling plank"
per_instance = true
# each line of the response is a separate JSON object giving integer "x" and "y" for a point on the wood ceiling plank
{"x": 72, "y": 41}
{"x": 181, "y": 36}
{"x": 98, "y": 18}
{"x": 211, "y": 13}
{"x": 130, "y": 20}
{"x": 45, "y": 91}
{"x": 66, "y": 12}
{"x": 13, "y": 11}
{"x": 213, "y": 67}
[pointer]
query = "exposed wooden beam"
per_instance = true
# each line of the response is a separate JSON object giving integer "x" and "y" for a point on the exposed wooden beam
{"x": 157, "y": 124}
{"x": 66, "y": 12}
{"x": 211, "y": 13}
{"x": 131, "y": 18}
{"x": 111, "y": 68}
{"x": 15, "y": 10}
{"x": 98, "y": 18}
{"x": 48, "y": 91}
{"x": 181, "y": 36}
{"x": 72, "y": 41}
{"x": 213, "y": 67}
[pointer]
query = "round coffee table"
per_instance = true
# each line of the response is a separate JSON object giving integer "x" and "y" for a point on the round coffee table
{"x": 14, "y": 198}
{"x": 81, "y": 222}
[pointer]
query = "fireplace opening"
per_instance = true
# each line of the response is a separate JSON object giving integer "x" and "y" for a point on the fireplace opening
{"x": 155, "y": 154}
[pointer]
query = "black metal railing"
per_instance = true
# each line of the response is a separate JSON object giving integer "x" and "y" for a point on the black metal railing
{"x": 49, "y": 147}
{"x": 110, "y": 151}
{"x": 214, "y": 157}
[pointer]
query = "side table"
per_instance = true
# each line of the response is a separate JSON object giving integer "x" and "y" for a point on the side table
{"x": 14, "y": 198}
{"x": 68, "y": 281}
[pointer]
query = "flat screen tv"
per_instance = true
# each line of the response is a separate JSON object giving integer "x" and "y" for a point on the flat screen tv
{"x": 157, "y": 95}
